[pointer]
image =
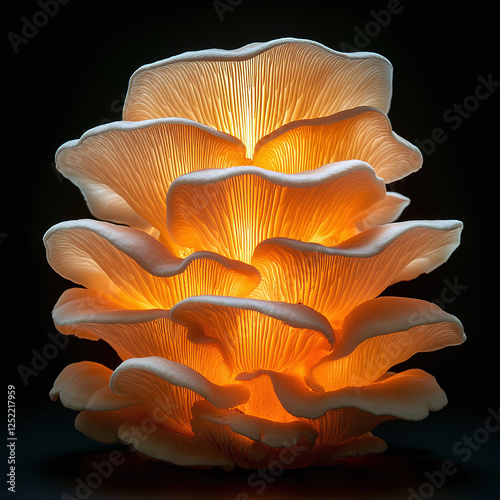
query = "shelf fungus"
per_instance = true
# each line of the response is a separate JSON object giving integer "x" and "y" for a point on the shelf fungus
{"x": 241, "y": 244}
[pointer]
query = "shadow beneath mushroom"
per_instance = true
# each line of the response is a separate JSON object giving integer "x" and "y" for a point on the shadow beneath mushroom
{"x": 116, "y": 473}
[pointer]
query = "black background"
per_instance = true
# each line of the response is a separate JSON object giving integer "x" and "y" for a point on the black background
{"x": 72, "y": 74}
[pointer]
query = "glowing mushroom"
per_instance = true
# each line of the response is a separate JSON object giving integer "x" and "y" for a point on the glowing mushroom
{"x": 246, "y": 237}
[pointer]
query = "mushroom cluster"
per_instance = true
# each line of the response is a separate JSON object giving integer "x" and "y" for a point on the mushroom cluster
{"x": 242, "y": 241}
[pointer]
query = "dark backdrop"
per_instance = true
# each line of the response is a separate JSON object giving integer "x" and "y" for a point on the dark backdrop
{"x": 66, "y": 70}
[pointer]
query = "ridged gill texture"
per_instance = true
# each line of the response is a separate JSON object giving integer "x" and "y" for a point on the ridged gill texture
{"x": 242, "y": 241}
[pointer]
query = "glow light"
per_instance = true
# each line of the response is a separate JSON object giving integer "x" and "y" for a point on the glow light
{"x": 248, "y": 239}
